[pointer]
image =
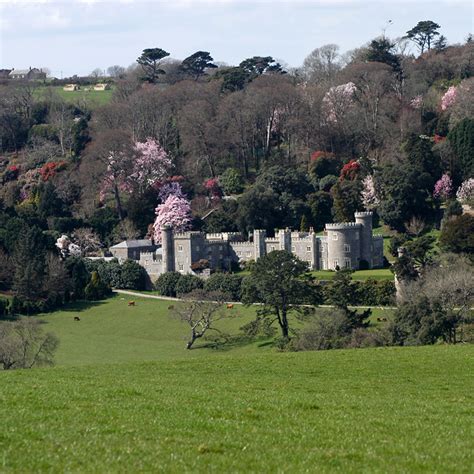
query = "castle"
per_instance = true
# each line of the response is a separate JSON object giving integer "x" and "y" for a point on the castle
{"x": 343, "y": 245}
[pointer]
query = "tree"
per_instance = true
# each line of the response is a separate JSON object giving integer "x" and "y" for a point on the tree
{"x": 381, "y": 50}
{"x": 443, "y": 187}
{"x": 457, "y": 235}
{"x": 200, "y": 310}
{"x": 258, "y": 65}
{"x": 133, "y": 275}
{"x": 423, "y": 34}
{"x": 150, "y": 61}
{"x": 231, "y": 181}
{"x": 166, "y": 283}
{"x": 24, "y": 345}
{"x": 175, "y": 212}
{"x": 280, "y": 283}
{"x": 322, "y": 64}
{"x": 96, "y": 73}
{"x": 196, "y": 64}
{"x": 461, "y": 139}
{"x": 96, "y": 289}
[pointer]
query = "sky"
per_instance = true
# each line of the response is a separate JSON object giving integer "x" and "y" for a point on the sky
{"x": 78, "y": 36}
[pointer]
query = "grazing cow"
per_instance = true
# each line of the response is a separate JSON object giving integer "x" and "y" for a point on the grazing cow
{"x": 131, "y": 303}
{"x": 77, "y": 318}
{"x": 171, "y": 307}
{"x": 381, "y": 319}
{"x": 230, "y": 306}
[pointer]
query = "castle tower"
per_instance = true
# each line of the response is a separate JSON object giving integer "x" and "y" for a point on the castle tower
{"x": 167, "y": 246}
{"x": 343, "y": 244}
{"x": 259, "y": 243}
{"x": 284, "y": 239}
{"x": 365, "y": 220}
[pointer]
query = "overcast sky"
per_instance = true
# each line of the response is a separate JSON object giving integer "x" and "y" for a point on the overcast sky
{"x": 77, "y": 36}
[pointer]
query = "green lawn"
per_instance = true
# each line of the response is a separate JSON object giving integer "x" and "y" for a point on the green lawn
{"x": 375, "y": 274}
{"x": 373, "y": 410}
{"x": 91, "y": 99}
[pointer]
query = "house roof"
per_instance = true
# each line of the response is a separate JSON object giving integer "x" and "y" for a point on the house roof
{"x": 127, "y": 244}
{"x": 19, "y": 71}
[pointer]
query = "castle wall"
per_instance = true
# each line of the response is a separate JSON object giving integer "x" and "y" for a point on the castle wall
{"x": 377, "y": 251}
{"x": 365, "y": 220}
{"x": 242, "y": 251}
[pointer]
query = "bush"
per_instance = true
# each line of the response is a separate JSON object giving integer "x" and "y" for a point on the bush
{"x": 326, "y": 183}
{"x": 228, "y": 284}
{"x": 133, "y": 276}
{"x": 166, "y": 283}
{"x": 231, "y": 181}
{"x": 96, "y": 289}
{"x": 188, "y": 283}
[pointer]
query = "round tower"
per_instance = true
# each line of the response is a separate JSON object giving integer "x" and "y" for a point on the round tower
{"x": 365, "y": 220}
{"x": 343, "y": 245}
{"x": 167, "y": 246}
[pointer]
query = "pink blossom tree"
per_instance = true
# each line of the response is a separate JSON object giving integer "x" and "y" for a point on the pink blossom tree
{"x": 449, "y": 98}
{"x": 170, "y": 188}
{"x": 175, "y": 212}
{"x": 443, "y": 187}
{"x": 465, "y": 192}
{"x": 368, "y": 193}
{"x": 151, "y": 164}
{"x": 338, "y": 99}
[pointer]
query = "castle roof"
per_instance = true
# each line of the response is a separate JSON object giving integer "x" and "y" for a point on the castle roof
{"x": 128, "y": 244}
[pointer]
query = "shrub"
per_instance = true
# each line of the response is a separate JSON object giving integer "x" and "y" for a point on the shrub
{"x": 188, "y": 283}
{"x": 166, "y": 283}
{"x": 228, "y": 284}
{"x": 231, "y": 181}
{"x": 96, "y": 289}
{"x": 133, "y": 276}
{"x": 326, "y": 183}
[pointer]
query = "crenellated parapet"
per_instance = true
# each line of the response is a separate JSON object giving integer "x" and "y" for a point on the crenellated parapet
{"x": 343, "y": 226}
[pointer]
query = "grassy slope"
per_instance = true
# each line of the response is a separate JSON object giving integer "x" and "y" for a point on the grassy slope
{"x": 92, "y": 99}
{"x": 110, "y": 331}
{"x": 377, "y": 410}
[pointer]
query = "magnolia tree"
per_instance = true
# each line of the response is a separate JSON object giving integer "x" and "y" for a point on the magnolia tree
{"x": 338, "y": 99}
{"x": 465, "y": 192}
{"x": 170, "y": 188}
{"x": 368, "y": 193}
{"x": 449, "y": 98}
{"x": 67, "y": 248}
{"x": 151, "y": 164}
{"x": 175, "y": 212}
{"x": 443, "y": 187}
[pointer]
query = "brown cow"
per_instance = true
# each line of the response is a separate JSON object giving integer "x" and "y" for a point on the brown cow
{"x": 131, "y": 303}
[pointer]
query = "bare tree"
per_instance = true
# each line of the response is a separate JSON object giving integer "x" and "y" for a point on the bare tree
{"x": 322, "y": 64}
{"x": 116, "y": 71}
{"x": 23, "y": 345}
{"x": 200, "y": 310}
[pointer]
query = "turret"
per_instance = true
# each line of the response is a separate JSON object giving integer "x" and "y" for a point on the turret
{"x": 167, "y": 246}
{"x": 259, "y": 243}
{"x": 284, "y": 239}
{"x": 365, "y": 220}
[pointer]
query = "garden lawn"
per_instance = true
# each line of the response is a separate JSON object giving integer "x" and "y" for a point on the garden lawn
{"x": 374, "y": 274}
{"x": 91, "y": 99}
{"x": 372, "y": 410}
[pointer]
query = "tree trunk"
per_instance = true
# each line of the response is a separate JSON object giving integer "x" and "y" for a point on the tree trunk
{"x": 118, "y": 202}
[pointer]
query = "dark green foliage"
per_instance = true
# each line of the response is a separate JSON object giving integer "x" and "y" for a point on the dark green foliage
{"x": 195, "y": 65}
{"x": 141, "y": 209}
{"x": 188, "y": 283}
{"x": 166, "y": 283}
{"x": 79, "y": 276}
{"x": 423, "y": 34}
{"x": 326, "y": 183}
{"x": 259, "y": 65}
{"x": 4, "y": 304}
{"x": 103, "y": 222}
{"x": 280, "y": 283}
{"x": 321, "y": 209}
{"x": 227, "y": 283}
{"x": 96, "y": 289}
{"x": 325, "y": 165}
{"x": 233, "y": 79}
{"x": 219, "y": 221}
{"x": 50, "y": 205}
{"x": 381, "y": 50}
{"x": 231, "y": 181}
{"x": 457, "y": 235}
{"x": 461, "y": 138}
{"x": 347, "y": 200}
{"x": 453, "y": 208}
{"x": 29, "y": 258}
{"x": 420, "y": 321}
{"x": 375, "y": 293}
{"x": 150, "y": 61}
{"x": 133, "y": 276}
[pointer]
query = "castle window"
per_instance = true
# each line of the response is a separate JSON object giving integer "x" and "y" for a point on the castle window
{"x": 336, "y": 262}
{"x": 272, "y": 247}
{"x": 347, "y": 248}
{"x": 293, "y": 248}
{"x": 347, "y": 263}
{"x": 180, "y": 248}
{"x": 181, "y": 267}
{"x": 335, "y": 236}
{"x": 308, "y": 248}
{"x": 249, "y": 254}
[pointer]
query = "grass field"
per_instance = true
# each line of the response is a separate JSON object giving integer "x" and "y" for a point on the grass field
{"x": 91, "y": 99}
{"x": 110, "y": 331}
{"x": 372, "y": 410}
{"x": 375, "y": 274}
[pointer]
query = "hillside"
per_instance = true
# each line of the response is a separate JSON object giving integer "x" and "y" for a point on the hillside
{"x": 394, "y": 409}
